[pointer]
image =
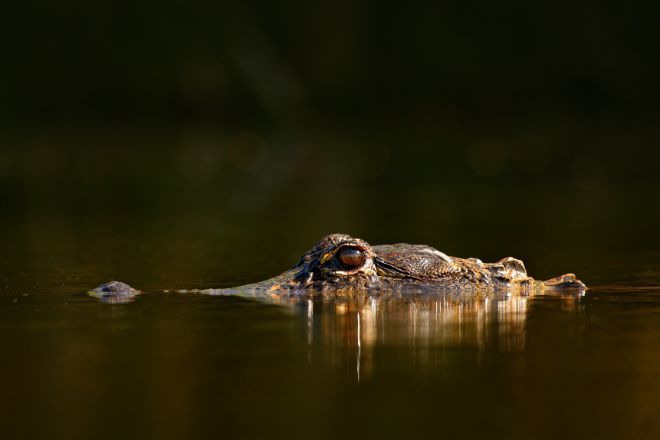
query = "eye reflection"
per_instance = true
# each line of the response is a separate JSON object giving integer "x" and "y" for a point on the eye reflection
{"x": 350, "y": 257}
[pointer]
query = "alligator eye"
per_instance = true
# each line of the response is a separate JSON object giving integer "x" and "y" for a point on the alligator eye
{"x": 350, "y": 257}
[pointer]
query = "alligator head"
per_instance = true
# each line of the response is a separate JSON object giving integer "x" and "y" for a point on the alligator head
{"x": 341, "y": 263}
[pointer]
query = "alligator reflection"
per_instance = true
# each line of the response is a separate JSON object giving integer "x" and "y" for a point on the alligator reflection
{"x": 349, "y": 328}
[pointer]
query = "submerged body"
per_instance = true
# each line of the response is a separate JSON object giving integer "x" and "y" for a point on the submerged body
{"x": 340, "y": 263}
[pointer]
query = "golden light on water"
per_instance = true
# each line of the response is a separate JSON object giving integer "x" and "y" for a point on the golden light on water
{"x": 351, "y": 328}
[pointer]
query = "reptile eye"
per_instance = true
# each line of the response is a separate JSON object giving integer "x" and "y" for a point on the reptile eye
{"x": 350, "y": 257}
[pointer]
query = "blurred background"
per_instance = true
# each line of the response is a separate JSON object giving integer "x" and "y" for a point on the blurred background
{"x": 219, "y": 140}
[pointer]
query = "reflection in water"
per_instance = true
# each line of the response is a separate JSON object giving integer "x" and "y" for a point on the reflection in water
{"x": 349, "y": 328}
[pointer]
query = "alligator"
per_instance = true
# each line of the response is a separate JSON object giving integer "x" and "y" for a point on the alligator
{"x": 341, "y": 264}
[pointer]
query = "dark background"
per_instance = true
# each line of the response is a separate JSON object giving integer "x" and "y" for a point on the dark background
{"x": 136, "y": 128}
{"x": 256, "y": 61}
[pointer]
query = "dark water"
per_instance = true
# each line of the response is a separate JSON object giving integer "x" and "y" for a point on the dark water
{"x": 181, "y": 366}
{"x": 174, "y": 366}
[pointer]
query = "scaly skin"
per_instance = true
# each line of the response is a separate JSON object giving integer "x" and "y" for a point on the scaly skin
{"x": 340, "y": 264}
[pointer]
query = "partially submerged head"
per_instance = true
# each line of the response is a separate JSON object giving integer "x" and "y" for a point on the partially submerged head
{"x": 339, "y": 262}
